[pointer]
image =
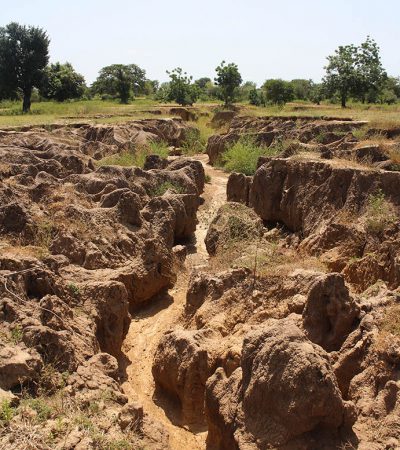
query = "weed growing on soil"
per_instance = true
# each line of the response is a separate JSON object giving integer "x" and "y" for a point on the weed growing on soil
{"x": 242, "y": 156}
{"x": 205, "y": 130}
{"x": 192, "y": 143}
{"x": 7, "y": 412}
{"x": 40, "y": 406}
{"x": 135, "y": 156}
{"x": 394, "y": 154}
{"x": 360, "y": 133}
{"x": 157, "y": 148}
{"x": 43, "y": 235}
{"x": 74, "y": 289}
{"x": 207, "y": 179}
{"x": 16, "y": 335}
{"x": 162, "y": 188}
{"x": 379, "y": 213}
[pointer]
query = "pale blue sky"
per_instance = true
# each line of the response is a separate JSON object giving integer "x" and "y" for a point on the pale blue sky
{"x": 267, "y": 39}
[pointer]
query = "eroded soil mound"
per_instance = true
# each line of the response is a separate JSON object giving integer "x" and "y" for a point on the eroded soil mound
{"x": 80, "y": 249}
{"x": 296, "y": 344}
{"x": 329, "y": 137}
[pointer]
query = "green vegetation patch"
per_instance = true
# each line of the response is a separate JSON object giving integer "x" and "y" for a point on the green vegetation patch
{"x": 165, "y": 186}
{"x": 379, "y": 213}
{"x": 135, "y": 156}
{"x": 242, "y": 156}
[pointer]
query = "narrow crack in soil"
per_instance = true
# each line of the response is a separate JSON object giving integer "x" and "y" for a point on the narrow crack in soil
{"x": 152, "y": 321}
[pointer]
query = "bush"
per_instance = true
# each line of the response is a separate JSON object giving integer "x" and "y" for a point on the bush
{"x": 162, "y": 188}
{"x": 379, "y": 213}
{"x": 278, "y": 92}
{"x": 242, "y": 156}
{"x": 193, "y": 143}
{"x": 135, "y": 156}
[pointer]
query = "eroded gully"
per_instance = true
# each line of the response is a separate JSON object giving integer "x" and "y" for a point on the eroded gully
{"x": 152, "y": 321}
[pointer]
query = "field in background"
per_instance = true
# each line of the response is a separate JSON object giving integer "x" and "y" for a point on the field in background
{"x": 99, "y": 111}
{"x": 380, "y": 116}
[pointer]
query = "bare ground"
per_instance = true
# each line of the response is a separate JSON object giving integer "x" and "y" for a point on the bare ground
{"x": 151, "y": 322}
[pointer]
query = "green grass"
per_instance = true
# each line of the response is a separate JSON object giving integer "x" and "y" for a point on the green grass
{"x": 42, "y": 408}
{"x": 162, "y": 188}
{"x": 135, "y": 156}
{"x": 7, "y": 412}
{"x": 74, "y": 289}
{"x": 97, "y": 111}
{"x": 379, "y": 213}
{"x": 193, "y": 143}
{"x": 379, "y": 116}
{"x": 242, "y": 156}
{"x": 16, "y": 335}
{"x": 113, "y": 112}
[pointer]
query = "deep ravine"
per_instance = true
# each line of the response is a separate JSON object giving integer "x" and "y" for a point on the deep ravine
{"x": 152, "y": 321}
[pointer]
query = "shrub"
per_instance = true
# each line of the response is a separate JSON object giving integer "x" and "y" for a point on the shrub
{"x": 43, "y": 410}
{"x": 162, "y": 188}
{"x": 74, "y": 289}
{"x": 7, "y": 412}
{"x": 135, "y": 156}
{"x": 16, "y": 335}
{"x": 379, "y": 213}
{"x": 242, "y": 156}
{"x": 193, "y": 143}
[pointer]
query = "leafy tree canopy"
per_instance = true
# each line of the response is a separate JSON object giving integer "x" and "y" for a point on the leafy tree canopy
{"x": 180, "y": 88}
{"x": 302, "y": 88}
{"x": 202, "y": 82}
{"x": 61, "y": 82}
{"x": 354, "y": 71}
{"x": 23, "y": 56}
{"x": 228, "y": 79}
{"x": 120, "y": 81}
{"x": 277, "y": 91}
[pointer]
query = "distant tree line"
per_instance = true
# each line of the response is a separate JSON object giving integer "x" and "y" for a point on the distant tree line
{"x": 352, "y": 72}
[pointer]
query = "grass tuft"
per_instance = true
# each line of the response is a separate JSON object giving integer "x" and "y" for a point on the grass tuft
{"x": 242, "y": 156}
{"x": 379, "y": 213}
{"x": 165, "y": 186}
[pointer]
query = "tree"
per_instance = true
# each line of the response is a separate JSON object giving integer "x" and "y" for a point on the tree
{"x": 151, "y": 87}
{"x": 61, "y": 82}
{"x": 181, "y": 89}
{"x": 202, "y": 82}
{"x": 245, "y": 89}
{"x": 341, "y": 74}
{"x": 24, "y": 53}
{"x": 390, "y": 92}
{"x": 228, "y": 79}
{"x": 370, "y": 74}
{"x": 354, "y": 71}
{"x": 162, "y": 93}
{"x": 317, "y": 93}
{"x": 278, "y": 91}
{"x": 120, "y": 81}
{"x": 302, "y": 88}
{"x": 254, "y": 98}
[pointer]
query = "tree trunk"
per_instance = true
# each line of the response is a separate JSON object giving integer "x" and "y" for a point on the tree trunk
{"x": 26, "y": 105}
{"x": 343, "y": 100}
